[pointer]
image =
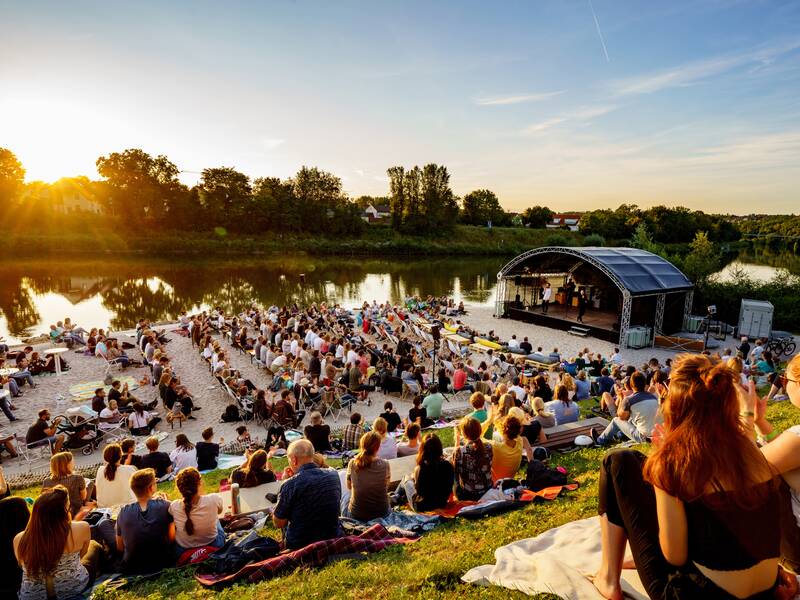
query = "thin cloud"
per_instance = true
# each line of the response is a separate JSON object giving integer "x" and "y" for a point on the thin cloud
{"x": 516, "y": 99}
{"x": 271, "y": 143}
{"x": 582, "y": 114}
{"x": 694, "y": 72}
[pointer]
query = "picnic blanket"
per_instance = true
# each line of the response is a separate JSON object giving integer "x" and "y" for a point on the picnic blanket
{"x": 556, "y": 562}
{"x": 403, "y": 523}
{"x": 374, "y": 539}
{"x": 84, "y": 391}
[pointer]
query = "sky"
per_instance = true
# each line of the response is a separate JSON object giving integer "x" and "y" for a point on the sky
{"x": 573, "y": 104}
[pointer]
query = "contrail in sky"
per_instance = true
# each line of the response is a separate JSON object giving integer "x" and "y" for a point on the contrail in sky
{"x": 600, "y": 33}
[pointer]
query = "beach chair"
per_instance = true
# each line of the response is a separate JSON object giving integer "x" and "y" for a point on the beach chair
{"x": 37, "y": 452}
{"x": 337, "y": 402}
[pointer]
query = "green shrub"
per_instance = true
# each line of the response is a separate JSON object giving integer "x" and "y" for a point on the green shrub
{"x": 558, "y": 239}
{"x": 594, "y": 239}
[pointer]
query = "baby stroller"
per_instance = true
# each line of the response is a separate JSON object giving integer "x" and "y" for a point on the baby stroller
{"x": 79, "y": 425}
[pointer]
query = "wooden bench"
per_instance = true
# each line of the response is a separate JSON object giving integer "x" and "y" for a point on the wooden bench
{"x": 563, "y": 436}
{"x": 541, "y": 365}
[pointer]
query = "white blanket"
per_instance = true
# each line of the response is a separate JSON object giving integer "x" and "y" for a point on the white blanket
{"x": 555, "y": 562}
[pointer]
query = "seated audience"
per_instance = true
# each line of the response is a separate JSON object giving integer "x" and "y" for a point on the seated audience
{"x": 255, "y": 471}
{"x": 318, "y": 433}
{"x": 478, "y": 403}
{"x": 42, "y": 432}
{"x": 388, "y": 447}
{"x": 145, "y": 531}
{"x": 160, "y": 462}
{"x": 308, "y": 502}
{"x": 541, "y": 414}
{"x": 472, "y": 461}
{"x": 58, "y": 557}
{"x": 353, "y": 432}
{"x": 433, "y": 403}
{"x": 566, "y": 411}
{"x": 207, "y": 451}
{"x": 410, "y": 447}
{"x": 196, "y": 515}
{"x": 129, "y": 456}
{"x": 433, "y": 477}
{"x": 141, "y": 422}
{"x": 184, "y": 455}
{"x": 112, "y": 481}
{"x": 14, "y": 515}
{"x": 691, "y": 509}
{"x": 636, "y": 414}
{"x": 393, "y": 420}
{"x": 61, "y": 473}
{"x": 368, "y": 480}
{"x": 582, "y": 386}
{"x": 417, "y": 414}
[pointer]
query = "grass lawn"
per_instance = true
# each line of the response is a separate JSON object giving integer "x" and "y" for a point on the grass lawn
{"x": 430, "y": 568}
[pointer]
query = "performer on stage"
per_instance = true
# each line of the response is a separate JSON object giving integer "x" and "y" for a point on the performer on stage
{"x": 547, "y": 293}
{"x": 582, "y": 301}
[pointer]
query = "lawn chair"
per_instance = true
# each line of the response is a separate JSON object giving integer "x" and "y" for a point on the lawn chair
{"x": 37, "y": 451}
{"x": 337, "y": 401}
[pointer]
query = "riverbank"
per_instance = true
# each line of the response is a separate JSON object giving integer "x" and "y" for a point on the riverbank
{"x": 378, "y": 240}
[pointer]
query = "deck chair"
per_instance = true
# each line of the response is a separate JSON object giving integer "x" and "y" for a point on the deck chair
{"x": 34, "y": 453}
{"x": 337, "y": 402}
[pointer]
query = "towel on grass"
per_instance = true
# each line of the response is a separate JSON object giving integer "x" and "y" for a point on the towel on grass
{"x": 374, "y": 539}
{"x": 556, "y": 562}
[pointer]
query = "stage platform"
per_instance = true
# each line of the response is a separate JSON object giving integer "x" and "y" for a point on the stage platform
{"x": 599, "y": 323}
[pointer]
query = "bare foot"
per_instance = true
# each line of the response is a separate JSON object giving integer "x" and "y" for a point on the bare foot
{"x": 608, "y": 589}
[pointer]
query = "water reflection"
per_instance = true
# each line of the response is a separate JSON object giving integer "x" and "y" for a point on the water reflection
{"x": 118, "y": 292}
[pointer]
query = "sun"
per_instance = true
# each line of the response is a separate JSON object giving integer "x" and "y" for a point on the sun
{"x": 56, "y": 137}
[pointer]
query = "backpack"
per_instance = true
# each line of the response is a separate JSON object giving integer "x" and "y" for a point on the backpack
{"x": 540, "y": 476}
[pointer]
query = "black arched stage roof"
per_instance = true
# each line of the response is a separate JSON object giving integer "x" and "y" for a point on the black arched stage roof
{"x": 637, "y": 271}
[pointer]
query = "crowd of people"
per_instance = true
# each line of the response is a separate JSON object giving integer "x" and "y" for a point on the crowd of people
{"x": 703, "y": 513}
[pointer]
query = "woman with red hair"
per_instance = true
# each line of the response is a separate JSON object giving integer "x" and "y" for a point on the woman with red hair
{"x": 701, "y": 513}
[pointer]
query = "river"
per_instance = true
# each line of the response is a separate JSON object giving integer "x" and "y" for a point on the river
{"x": 117, "y": 292}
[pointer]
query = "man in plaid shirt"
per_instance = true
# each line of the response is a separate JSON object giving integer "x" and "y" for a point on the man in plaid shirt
{"x": 308, "y": 502}
{"x": 353, "y": 432}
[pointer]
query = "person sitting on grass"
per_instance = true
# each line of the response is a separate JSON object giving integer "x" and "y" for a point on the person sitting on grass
{"x": 196, "y": 515}
{"x": 14, "y": 516}
{"x": 566, "y": 411}
{"x": 140, "y": 421}
{"x": 184, "y": 455}
{"x": 393, "y": 420}
{"x": 111, "y": 483}
{"x": 368, "y": 479}
{"x": 353, "y": 432}
{"x": 478, "y": 403}
{"x": 160, "y": 462}
{"x": 507, "y": 451}
{"x": 410, "y": 447}
{"x": 472, "y": 461}
{"x": 388, "y": 447}
{"x": 691, "y": 510}
{"x": 255, "y": 471}
{"x": 318, "y": 433}
{"x": 433, "y": 477}
{"x": 433, "y": 403}
{"x": 582, "y": 386}
{"x": 145, "y": 530}
{"x": 541, "y": 414}
{"x": 58, "y": 557}
{"x": 308, "y": 502}
{"x": 417, "y": 414}
{"x": 207, "y": 451}
{"x": 636, "y": 414}
{"x": 62, "y": 473}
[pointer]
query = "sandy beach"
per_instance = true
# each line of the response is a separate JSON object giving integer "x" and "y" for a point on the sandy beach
{"x": 208, "y": 395}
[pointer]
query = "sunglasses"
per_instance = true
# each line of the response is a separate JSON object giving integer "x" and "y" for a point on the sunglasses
{"x": 784, "y": 380}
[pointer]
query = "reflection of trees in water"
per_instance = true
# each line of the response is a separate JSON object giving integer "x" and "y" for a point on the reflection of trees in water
{"x": 124, "y": 289}
{"x": 762, "y": 254}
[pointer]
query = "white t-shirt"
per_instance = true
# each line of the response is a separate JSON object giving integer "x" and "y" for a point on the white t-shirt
{"x": 388, "y": 448}
{"x": 204, "y": 514}
{"x": 519, "y": 392}
{"x": 183, "y": 458}
{"x": 547, "y": 294}
{"x": 118, "y": 491}
{"x": 137, "y": 422}
{"x": 513, "y": 343}
{"x": 107, "y": 413}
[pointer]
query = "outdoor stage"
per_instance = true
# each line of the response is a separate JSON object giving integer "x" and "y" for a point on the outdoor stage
{"x": 601, "y": 324}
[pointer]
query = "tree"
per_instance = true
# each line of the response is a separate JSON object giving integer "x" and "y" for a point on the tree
{"x": 616, "y": 224}
{"x": 421, "y": 200}
{"x": 642, "y": 239}
{"x": 702, "y": 259}
{"x": 12, "y": 176}
{"x": 481, "y": 206}
{"x": 537, "y": 217}
{"x": 139, "y": 184}
{"x": 226, "y": 195}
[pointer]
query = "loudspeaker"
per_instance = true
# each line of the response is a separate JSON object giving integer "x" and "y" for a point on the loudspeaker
{"x": 518, "y": 280}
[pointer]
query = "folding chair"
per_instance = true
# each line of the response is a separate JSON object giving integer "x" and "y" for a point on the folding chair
{"x": 337, "y": 402}
{"x": 31, "y": 454}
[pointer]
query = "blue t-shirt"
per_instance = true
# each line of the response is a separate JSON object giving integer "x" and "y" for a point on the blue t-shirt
{"x": 582, "y": 389}
{"x": 565, "y": 413}
{"x": 145, "y": 534}
{"x": 605, "y": 383}
{"x": 310, "y": 501}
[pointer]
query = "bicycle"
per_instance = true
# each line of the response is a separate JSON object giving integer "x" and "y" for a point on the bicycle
{"x": 781, "y": 345}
